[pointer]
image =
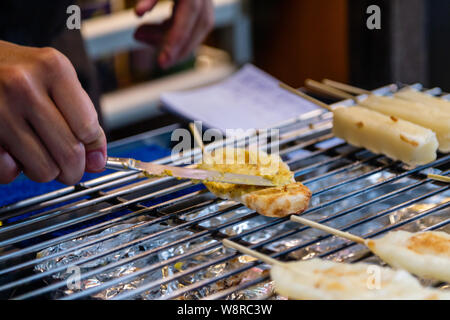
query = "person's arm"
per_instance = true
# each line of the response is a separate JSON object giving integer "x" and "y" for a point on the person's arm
{"x": 48, "y": 125}
{"x": 178, "y": 36}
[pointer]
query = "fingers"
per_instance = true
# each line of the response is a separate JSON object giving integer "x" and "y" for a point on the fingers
{"x": 182, "y": 33}
{"x": 152, "y": 34}
{"x": 77, "y": 110}
{"x": 201, "y": 29}
{"x": 9, "y": 169}
{"x": 64, "y": 147}
{"x": 48, "y": 125}
{"x": 27, "y": 149}
{"x": 144, "y": 5}
{"x": 186, "y": 13}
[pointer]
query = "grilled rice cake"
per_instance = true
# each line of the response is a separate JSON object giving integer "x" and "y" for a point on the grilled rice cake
{"x": 425, "y": 254}
{"x": 289, "y": 197}
{"x": 323, "y": 279}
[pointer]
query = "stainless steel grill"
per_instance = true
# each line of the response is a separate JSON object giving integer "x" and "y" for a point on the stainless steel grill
{"x": 128, "y": 237}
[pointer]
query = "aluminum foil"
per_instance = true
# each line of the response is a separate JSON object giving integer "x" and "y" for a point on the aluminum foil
{"x": 163, "y": 280}
{"x": 134, "y": 232}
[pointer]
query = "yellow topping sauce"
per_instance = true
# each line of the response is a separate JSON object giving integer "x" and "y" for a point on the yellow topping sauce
{"x": 244, "y": 161}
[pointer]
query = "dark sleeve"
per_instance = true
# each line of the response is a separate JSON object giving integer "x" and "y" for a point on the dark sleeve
{"x": 32, "y": 22}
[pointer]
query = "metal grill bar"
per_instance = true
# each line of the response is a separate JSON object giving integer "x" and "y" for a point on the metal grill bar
{"x": 146, "y": 210}
{"x": 101, "y": 212}
{"x": 131, "y": 294}
{"x": 89, "y": 243}
{"x": 293, "y": 232}
{"x": 229, "y": 291}
{"x": 84, "y": 192}
{"x": 119, "y": 263}
{"x": 225, "y": 293}
{"x": 98, "y": 227}
{"x": 174, "y": 160}
{"x": 343, "y": 183}
{"x": 353, "y": 165}
{"x": 62, "y": 192}
{"x": 419, "y": 183}
{"x": 95, "y": 214}
{"x": 131, "y": 177}
{"x": 276, "y": 255}
{"x": 90, "y": 216}
{"x": 337, "y": 163}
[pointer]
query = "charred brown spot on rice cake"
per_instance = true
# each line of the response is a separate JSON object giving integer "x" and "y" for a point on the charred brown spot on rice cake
{"x": 427, "y": 242}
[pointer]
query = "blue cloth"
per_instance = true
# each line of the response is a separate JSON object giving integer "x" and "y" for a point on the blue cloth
{"x": 23, "y": 188}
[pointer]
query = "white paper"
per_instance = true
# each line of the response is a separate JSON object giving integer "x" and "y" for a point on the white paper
{"x": 249, "y": 99}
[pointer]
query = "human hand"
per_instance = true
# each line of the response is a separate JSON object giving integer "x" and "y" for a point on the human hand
{"x": 178, "y": 36}
{"x": 48, "y": 125}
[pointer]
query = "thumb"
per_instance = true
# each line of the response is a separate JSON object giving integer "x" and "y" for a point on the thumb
{"x": 144, "y": 5}
{"x": 96, "y": 153}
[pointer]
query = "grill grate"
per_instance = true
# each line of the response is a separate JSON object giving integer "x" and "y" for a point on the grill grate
{"x": 160, "y": 238}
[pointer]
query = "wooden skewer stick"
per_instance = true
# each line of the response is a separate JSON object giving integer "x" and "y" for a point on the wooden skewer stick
{"x": 264, "y": 258}
{"x": 197, "y": 136}
{"x": 345, "y": 87}
{"x": 439, "y": 177}
{"x": 323, "y": 88}
{"x": 253, "y": 253}
{"x": 322, "y": 227}
{"x": 305, "y": 96}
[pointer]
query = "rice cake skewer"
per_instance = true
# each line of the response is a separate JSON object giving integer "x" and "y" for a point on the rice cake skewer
{"x": 425, "y": 254}
{"x": 410, "y": 94}
{"x": 379, "y": 133}
{"x": 290, "y": 197}
{"x": 429, "y": 115}
{"x": 328, "y": 90}
{"x": 418, "y": 113}
{"x": 322, "y": 279}
{"x": 345, "y": 87}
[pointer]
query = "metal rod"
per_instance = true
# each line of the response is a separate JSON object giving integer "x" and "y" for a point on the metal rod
{"x": 97, "y": 240}
{"x": 56, "y": 212}
{"x": 224, "y": 293}
{"x": 90, "y": 216}
{"x": 212, "y": 233}
{"x": 123, "y": 246}
{"x": 91, "y": 229}
{"x": 421, "y": 182}
{"x": 250, "y": 265}
{"x": 273, "y": 239}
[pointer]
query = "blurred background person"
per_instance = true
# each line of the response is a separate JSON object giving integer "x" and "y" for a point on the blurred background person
{"x": 49, "y": 125}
